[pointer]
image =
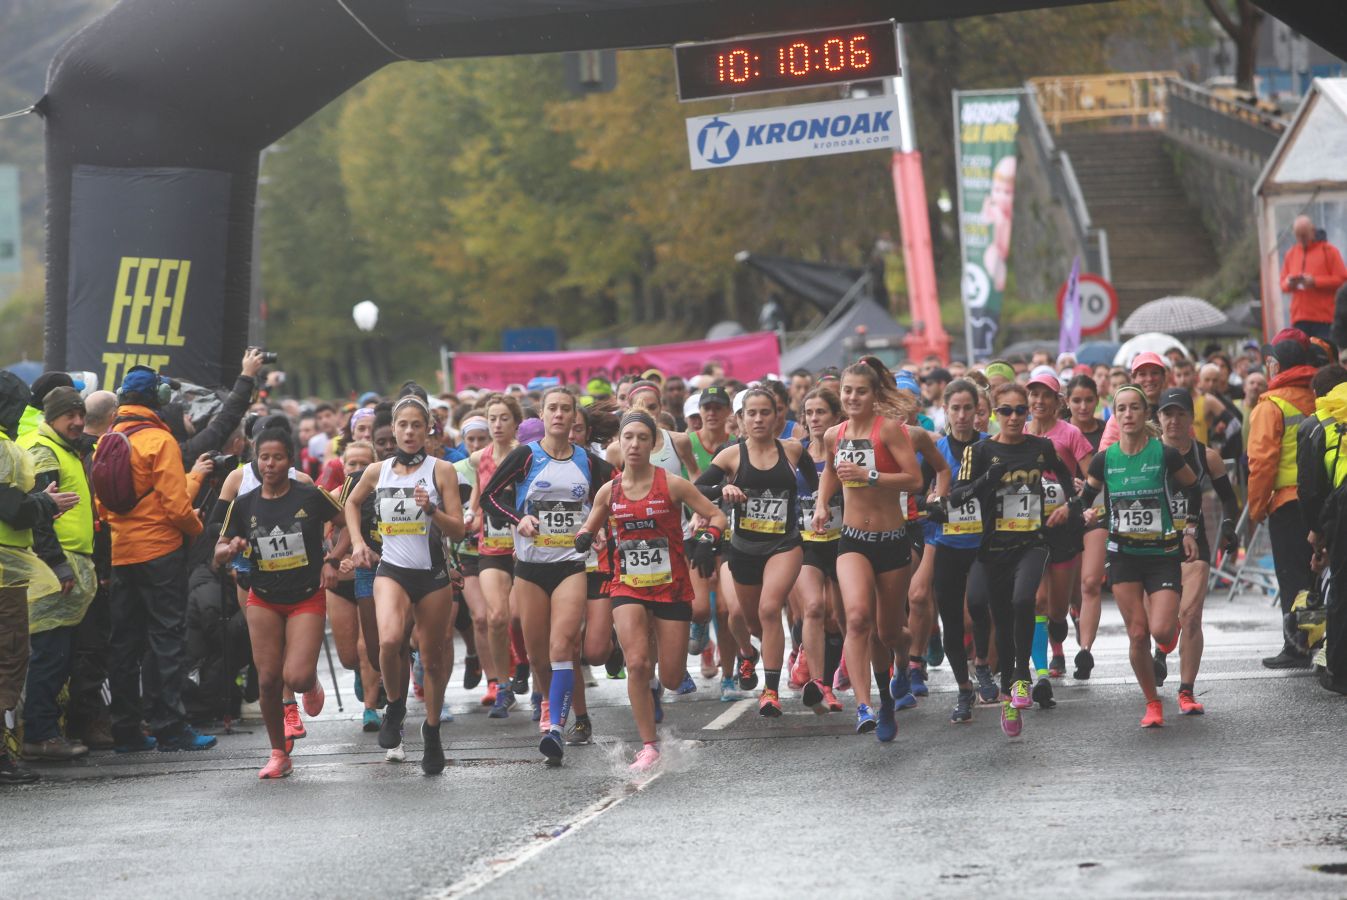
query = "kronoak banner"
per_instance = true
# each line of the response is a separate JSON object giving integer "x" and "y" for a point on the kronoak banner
{"x": 746, "y": 357}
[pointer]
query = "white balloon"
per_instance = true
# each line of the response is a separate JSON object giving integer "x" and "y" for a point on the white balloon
{"x": 366, "y": 315}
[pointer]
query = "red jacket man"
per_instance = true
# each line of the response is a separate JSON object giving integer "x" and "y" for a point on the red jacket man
{"x": 1312, "y": 273}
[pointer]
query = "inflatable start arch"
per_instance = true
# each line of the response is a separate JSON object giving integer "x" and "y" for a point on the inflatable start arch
{"x": 156, "y": 114}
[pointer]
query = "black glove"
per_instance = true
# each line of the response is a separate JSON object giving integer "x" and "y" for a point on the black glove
{"x": 704, "y": 554}
{"x": 1229, "y": 538}
{"x": 995, "y": 472}
{"x": 583, "y": 541}
{"x": 936, "y": 512}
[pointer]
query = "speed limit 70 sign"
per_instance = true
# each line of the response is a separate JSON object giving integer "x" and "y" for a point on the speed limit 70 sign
{"x": 1098, "y": 303}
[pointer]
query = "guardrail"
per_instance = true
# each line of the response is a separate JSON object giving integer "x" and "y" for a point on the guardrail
{"x": 1092, "y": 243}
{"x": 1136, "y": 97}
{"x": 1233, "y": 129}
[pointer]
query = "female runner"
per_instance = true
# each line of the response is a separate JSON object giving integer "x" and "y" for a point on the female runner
{"x": 871, "y": 460}
{"x": 650, "y": 590}
{"x": 1005, "y": 474}
{"x": 1082, "y": 396}
{"x": 1145, "y": 549}
{"x": 476, "y": 434}
{"x": 417, "y": 504}
{"x": 758, "y": 478}
{"x": 280, "y": 527}
{"x": 953, "y": 543}
{"x": 1065, "y": 542}
{"x": 821, "y": 635}
{"x": 552, "y": 482}
{"x": 496, "y": 545}
{"x": 355, "y": 593}
{"x": 713, "y": 404}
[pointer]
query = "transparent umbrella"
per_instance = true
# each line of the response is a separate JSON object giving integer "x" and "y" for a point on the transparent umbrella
{"x": 1175, "y": 315}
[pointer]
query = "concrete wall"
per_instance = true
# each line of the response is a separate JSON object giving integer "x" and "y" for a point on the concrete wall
{"x": 1221, "y": 188}
{"x": 1044, "y": 241}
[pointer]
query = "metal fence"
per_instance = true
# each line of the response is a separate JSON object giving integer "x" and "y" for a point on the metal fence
{"x": 1132, "y": 98}
{"x": 1238, "y": 131}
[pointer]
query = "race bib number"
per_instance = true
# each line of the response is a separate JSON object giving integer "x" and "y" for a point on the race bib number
{"x": 860, "y": 453}
{"x": 764, "y": 513}
{"x": 1021, "y": 510}
{"x": 399, "y": 514}
{"x": 646, "y": 563}
{"x": 496, "y": 538}
{"x": 1178, "y": 511}
{"x": 558, "y": 521}
{"x": 1138, "y": 519}
{"x": 966, "y": 519}
{"x": 1054, "y": 496}
{"x": 281, "y": 551}
{"x": 831, "y": 532}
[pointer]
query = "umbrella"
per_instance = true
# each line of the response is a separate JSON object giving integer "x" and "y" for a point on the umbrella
{"x": 1154, "y": 341}
{"x": 1092, "y": 353}
{"x": 26, "y": 369}
{"x": 1175, "y": 315}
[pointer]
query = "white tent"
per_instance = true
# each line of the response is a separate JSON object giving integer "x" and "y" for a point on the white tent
{"x": 1306, "y": 175}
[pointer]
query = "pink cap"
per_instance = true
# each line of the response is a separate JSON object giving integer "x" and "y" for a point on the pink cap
{"x": 1147, "y": 358}
{"x": 1048, "y": 381}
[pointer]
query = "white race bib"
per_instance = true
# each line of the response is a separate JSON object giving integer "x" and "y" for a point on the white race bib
{"x": 558, "y": 522}
{"x": 399, "y": 514}
{"x": 494, "y": 538}
{"x": 858, "y": 452}
{"x": 1021, "y": 509}
{"x": 1139, "y": 518}
{"x": 764, "y": 513}
{"x": 646, "y": 563}
{"x": 281, "y": 551}
{"x": 966, "y": 519}
{"x": 832, "y": 532}
{"x": 1053, "y": 497}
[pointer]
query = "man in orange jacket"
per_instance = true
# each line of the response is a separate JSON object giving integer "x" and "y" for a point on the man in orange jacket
{"x": 149, "y": 576}
{"x": 1312, "y": 273}
{"x": 1272, "y": 472}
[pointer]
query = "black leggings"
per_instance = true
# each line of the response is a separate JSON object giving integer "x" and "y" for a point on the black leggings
{"x": 1012, "y": 611}
{"x": 952, "y": 565}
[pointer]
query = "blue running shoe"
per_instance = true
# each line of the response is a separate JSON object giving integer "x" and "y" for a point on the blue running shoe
{"x": 445, "y": 714}
{"x": 551, "y": 747}
{"x": 688, "y": 686}
{"x": 865, "y": 719}
{"x": 370, "y": 721}
{"x": 359, "y": 687}
{"x": 658, "y": 692}
{"x": 887, "y": 728}
{"x": 900, "y": 688}
{"x": 917, "y": 677}
{"x": 536, "y": 699}
{"x": 699, "y": 635}
{"x": 187, "y": 739}
{"x": 728, "y": 694}
{"x": 504, "y": 703}
{"x": 140, "y": 745}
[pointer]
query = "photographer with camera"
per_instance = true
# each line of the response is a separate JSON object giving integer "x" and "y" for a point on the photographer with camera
{"x": 213, "y": 437}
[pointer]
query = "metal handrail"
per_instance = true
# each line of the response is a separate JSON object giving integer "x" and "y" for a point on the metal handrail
{"x": 1231, "y": 128}
{"x": 1138, "y": 96}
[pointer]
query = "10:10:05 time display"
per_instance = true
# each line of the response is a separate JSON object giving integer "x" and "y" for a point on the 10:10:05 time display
{"x": 778, "y": 62}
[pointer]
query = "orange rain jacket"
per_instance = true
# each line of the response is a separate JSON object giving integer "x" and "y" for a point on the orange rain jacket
{"x": 1265, "y": 441}
{"x": 1321, "y": 261}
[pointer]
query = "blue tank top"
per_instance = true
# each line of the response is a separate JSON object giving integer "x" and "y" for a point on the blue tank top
{"x": 964, "y": 529}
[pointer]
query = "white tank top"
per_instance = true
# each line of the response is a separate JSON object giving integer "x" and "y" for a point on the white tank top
{"x": 409, "y": 539}
{"x": 666, "y": 457}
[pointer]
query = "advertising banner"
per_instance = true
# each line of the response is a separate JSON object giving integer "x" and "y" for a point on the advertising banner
{"x": 986, "y": 124}
{"x": 746, "y": 357}
{"x": 147, "y": 272}
{"x": 9, "y": 220}
{"x": 792, "y": 132}
{"x": 1068, "y": 338}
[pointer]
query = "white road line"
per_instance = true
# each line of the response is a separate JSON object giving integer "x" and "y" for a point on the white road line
{"x": 500, "y": 865}
{"x": 727, "y": 718}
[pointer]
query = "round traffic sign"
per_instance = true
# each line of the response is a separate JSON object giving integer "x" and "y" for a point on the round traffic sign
{"x": 1098, "y": 303}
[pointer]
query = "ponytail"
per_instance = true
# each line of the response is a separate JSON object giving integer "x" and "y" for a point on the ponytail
{"x": 891, "y": 402}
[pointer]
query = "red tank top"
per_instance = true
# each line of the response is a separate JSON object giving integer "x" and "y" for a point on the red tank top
{"x": 866, "y": 452}
{"x": 647, "y": 536}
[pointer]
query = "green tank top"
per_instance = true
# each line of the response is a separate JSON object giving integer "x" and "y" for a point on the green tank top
{"x": 703, "y": 455}
{"x": 1140, "y": 521}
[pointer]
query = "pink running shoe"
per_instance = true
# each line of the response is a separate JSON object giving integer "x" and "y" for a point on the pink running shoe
{"x": 834, "y": 705}
{"x": 1020, "y": 698}
{"x": 277, "y": 767}
{"x": 1012, "y": 725}
{"x": 709, "y": 667}
{"x": 841, "y": 680}
{"x": 799, "y": 672}
{"x": 646, "y": 760}
{"x": 294, "y": 725}
{"x": 545, "y": 720}
{"x": 313, "y": 700}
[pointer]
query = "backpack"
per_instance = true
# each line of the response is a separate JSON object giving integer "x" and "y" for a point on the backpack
{"x": 111, "y": 475}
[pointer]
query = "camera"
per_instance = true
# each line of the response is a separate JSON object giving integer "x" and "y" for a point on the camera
{"x": 224, "y": 463}
{"x": 268, "y": 358}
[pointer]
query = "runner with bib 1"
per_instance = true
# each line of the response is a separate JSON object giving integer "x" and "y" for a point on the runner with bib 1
{"x": 642, "y": 511}
{"x": 757, "y": 477}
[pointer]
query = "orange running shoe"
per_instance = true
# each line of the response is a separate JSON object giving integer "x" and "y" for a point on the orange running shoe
{"x": 834, "y": 705}
{"x": 710, "y": 668}
{"x": 277, "y": 767}
{"x": 489, "y": 698}
{"x": 545, "y": 719}
{"x": 294, "y": 725}
{"x": 1155, "y": 715}
{"x": 313, "y": 700}
{"x": 799, "y": 672}
{"x": 769, "y": 704}
{"x": 1188, "y": 705}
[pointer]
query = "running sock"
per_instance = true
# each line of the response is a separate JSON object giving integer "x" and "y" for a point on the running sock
{"x": 1057, "y": 632}
{"x": 832, "y": 656}
{"x": 797, "y": 633}
{"x": 882, "y": 676}
{"x": 1038, "y": 651}
{"x": 559, "y": 696}
{"x": 773, "y": 678}
{"x": 1185, "y": 686}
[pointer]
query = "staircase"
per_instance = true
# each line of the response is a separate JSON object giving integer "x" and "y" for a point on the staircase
{"x": 1157, "y": 243}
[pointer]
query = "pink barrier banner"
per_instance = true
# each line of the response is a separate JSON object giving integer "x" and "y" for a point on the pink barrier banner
{"x": 745, "y": 357}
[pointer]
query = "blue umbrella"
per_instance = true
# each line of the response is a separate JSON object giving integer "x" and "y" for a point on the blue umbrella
{"x": 1094, "y": 353}
{"x": 27, "y": 370}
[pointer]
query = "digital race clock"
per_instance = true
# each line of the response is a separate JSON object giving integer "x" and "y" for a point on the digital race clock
{"x": 778, "y": 62}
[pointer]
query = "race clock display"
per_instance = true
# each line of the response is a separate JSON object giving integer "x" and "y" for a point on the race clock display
{"x": 778, "y": 62}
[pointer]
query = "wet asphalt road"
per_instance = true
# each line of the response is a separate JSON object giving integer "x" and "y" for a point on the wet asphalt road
{"x": 1246, "y": 801}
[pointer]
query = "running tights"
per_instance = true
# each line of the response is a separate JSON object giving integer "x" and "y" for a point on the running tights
{"x": 1012, "y": 610}
{"x": 952, "y": 565}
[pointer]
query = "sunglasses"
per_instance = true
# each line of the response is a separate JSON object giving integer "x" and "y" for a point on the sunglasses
{"x": 1006, "y": 412}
